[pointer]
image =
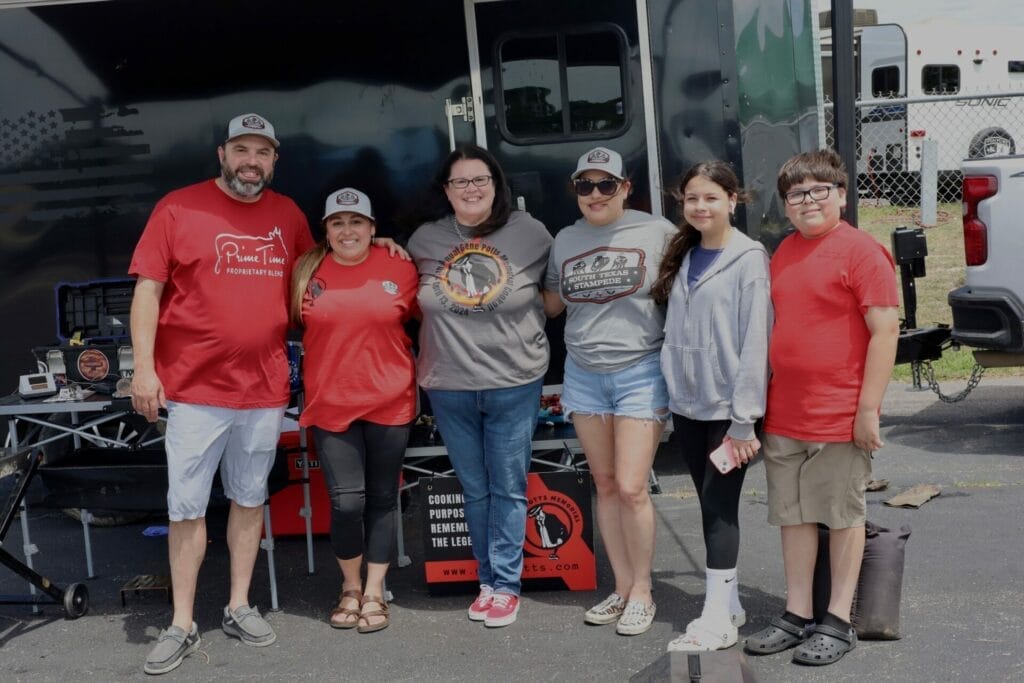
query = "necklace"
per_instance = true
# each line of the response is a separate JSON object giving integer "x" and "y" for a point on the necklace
{"x": 455, "y": 226}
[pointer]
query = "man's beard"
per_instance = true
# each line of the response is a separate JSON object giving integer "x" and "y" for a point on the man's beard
{"x": 244, "y": 188}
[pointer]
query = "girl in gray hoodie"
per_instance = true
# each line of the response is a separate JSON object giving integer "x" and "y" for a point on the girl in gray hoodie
{"x": 715, "y": 360}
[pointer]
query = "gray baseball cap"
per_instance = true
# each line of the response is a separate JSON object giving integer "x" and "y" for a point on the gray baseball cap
{"x": 348, "y": 199}
{"x": 600, "y": 159}
{"x": 251, "y": 124}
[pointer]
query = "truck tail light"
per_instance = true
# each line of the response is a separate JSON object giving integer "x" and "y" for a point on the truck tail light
{"x": 976, "y": 189}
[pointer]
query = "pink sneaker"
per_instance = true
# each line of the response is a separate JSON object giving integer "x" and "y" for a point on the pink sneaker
{"x": 482, "y": 605}
{"x": 504, "y": 608}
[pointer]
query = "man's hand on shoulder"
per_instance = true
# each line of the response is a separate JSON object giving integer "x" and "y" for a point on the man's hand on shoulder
{"x": 394, "y": 249}
{"x": 147, "y": 394}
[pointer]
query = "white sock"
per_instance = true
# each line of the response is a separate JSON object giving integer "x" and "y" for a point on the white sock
{"x": 719, "y": 585}
{"x": 734, "y": 597}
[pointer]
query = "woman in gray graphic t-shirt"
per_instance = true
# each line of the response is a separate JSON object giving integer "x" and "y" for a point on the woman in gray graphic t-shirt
{"x": 483, "y": 355}
{"x": 600, "y": 271}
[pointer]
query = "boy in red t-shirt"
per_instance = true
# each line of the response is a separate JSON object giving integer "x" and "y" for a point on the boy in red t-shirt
{"x": 831, "y": 353}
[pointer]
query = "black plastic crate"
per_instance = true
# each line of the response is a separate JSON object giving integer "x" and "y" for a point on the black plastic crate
{"x": 95, "y": 310}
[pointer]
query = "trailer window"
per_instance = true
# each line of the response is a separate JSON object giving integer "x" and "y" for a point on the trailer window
{"x": 566, "y": 85}
{"x": 885, "y": 81}
{"x": 530, "y": 86}
{"x": 940, "y": 79}
{"x": 1015, "y": 66}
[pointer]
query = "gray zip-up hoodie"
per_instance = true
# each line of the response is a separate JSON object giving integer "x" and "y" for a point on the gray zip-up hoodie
{"x": 715, "y": 353}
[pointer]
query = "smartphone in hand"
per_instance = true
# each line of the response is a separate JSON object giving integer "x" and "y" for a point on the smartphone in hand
{"x": 723, "y": 457}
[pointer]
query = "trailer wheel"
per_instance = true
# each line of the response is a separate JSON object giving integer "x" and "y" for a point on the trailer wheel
{"x": 76, "y": 600}
{"x": 991, "y": 142}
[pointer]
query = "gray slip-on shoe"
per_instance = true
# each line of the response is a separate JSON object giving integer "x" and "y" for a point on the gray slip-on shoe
{"x": 246, "y": 624}
{"x": 172, "y": 646}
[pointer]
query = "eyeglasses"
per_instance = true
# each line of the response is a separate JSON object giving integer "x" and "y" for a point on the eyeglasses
{"x": 462, "y": 183}
{"x": 817, "y": 193}
{"x": 607, "y": 187}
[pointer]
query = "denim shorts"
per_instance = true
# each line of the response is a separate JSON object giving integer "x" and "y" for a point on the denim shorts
{"x": 200, "y": 439}
{"x": 636, "y": 391}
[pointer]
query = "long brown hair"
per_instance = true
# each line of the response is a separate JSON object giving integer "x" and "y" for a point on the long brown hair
{"x": 718, "y": 172}
{"x": 434, "y": 204}
{"x": 301, "y": 275}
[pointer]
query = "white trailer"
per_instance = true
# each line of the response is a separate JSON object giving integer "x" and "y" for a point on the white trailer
{"x": 961, "y": 85}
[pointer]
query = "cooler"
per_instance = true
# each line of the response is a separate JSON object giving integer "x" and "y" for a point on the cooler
{"x": 286, "y": 505}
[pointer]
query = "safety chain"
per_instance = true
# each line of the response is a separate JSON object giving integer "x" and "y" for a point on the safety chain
{"x": 975, "y": 379}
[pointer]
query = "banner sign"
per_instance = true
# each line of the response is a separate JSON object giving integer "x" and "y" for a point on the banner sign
{"x": 559, "y": 531}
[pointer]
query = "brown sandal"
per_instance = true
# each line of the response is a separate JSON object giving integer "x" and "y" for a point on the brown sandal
{"x": 383, "y": 611}
{"x": 343, "y": 614}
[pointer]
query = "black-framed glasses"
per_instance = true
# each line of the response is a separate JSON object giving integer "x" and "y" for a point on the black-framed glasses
{"x": 817, "y": 193}
{"x": 607, "y": 187}
{"x": 461, "y": 183}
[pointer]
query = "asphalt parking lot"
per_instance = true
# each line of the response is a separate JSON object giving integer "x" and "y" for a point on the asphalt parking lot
{"x": 961, "y": 614}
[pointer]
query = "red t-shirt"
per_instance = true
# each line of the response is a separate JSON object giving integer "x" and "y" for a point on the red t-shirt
{"x": 226, "y": 267}
{"x": 821, "y": 289}
{"x": 358, "y": 361}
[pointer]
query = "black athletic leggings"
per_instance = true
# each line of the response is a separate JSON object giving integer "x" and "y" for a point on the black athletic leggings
{"x": 719, "y": 494}
{"x": 361, "y": 468}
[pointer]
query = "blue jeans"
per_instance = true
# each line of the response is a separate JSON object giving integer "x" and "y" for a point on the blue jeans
{"x": 488, "y": 434}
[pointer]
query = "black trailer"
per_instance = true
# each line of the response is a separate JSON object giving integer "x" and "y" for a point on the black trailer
{"x": 107, "y": 105}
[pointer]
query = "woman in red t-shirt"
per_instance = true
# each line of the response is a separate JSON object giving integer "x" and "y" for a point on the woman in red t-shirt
{"x": 352, "y": 300}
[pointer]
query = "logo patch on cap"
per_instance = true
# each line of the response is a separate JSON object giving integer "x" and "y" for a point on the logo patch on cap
{"x": 347, "y": 199}
{"x": 254, "y": 122}
{"x": 598, "y": 156}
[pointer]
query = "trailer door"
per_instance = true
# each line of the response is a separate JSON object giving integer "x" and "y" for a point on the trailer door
{"x": 552, "y": 80}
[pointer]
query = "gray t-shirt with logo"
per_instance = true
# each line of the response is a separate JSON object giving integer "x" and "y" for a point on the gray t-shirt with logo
{"x": 483, "y": 317}
{"x": 604, "y": 276}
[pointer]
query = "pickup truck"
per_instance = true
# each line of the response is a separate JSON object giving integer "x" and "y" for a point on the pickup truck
{"x": 988, "y": 311}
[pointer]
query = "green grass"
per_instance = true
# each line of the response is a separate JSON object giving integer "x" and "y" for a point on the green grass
{"x": 944, "y": 270}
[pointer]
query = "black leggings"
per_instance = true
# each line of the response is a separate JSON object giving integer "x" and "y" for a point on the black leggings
{"x": 719, "y": 494}
{"x": 361, "y": 468}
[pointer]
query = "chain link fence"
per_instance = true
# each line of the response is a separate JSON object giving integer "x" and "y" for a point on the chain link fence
{"x": 892, "y": 132}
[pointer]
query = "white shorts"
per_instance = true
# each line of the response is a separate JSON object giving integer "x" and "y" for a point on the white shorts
{"x": 243, "y": 443}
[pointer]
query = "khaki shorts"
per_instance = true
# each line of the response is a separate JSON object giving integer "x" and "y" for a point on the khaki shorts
{"x": 812, "y": 482}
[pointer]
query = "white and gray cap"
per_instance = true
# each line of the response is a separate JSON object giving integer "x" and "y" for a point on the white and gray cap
{"x": 600, "y": 159}
{"x": 348, "y": 199}
{"x": 251, "y": 124}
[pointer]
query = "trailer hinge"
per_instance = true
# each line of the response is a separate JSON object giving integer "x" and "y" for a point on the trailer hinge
{"x": 463, "y": 108}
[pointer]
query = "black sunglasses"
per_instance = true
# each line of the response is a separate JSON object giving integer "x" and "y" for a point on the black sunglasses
{"x": 607, "y": 187}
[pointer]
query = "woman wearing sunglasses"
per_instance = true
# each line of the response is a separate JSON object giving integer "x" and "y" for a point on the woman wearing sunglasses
{"x": 483, "y": 355}
{"x": 601, "y": 270}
